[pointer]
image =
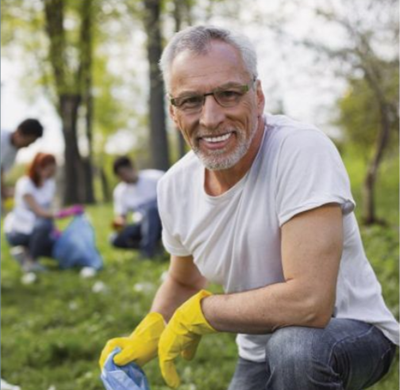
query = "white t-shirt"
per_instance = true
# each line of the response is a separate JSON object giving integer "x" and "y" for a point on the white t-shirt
{"x": 22, "y": 219}
{"x": 8, "y": 151}
{"x": 235, "y": 238}
{"x": 130, "y": 197}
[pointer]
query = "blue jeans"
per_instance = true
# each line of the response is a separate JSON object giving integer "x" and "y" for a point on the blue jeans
{"x": 346, "y": 355}
{"x": 39, "y": 243}
{"x": 144, "y": 235}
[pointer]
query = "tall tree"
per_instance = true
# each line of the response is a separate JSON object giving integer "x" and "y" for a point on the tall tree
{"x": 182, "y": 17}
{"x": 69, "y": 82}
{"x": 86, "y": 53}
{"x": 366, "y": 56}
{"x": 158, "y": 135}
{"x": 378, "y": 75}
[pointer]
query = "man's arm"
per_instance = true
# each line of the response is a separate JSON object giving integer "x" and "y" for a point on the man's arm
{"x": 183, "y": 281}
{"x": 120, "y": 210}
{"x": 119, "y": 221}
{"x": 141, "y": 346}
{"x": 311, "y": 250}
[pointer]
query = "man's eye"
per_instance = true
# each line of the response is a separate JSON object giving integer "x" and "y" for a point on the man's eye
{"x": 191, "y": 101}
{"x": 229, "y": 95}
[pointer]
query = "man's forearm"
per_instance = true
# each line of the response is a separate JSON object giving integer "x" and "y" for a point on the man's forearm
{"x": 170, "y": 296}
{"x": 312, "y": 244}
{"x": 265, "y": 310}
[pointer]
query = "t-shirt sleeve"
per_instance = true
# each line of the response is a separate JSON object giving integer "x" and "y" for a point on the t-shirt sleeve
{"x": 8, "y": 152}
{"x": 24, "y": 187}
{"x": 170, "y": 238}
{"x": 310, "y": 173}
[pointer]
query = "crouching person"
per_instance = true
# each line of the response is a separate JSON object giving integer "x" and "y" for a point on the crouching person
{"x": 262, "y": 206}
{"x": 29, "y": 227}
{"x": 136, "y": 194}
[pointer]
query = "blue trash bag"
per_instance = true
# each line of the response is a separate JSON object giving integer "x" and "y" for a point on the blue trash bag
{"x": 76, "y": 246}
{"x": 128, "y": 377}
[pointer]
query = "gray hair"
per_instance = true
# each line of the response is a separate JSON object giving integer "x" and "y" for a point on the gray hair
{"x": 197, "y": 40}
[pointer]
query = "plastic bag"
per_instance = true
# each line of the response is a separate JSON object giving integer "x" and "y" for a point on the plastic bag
{"x": 76, "y": 246}
{"x": 128, "y": 377}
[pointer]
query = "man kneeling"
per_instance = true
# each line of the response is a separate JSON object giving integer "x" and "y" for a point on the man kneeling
{"x": 136, "y": 194}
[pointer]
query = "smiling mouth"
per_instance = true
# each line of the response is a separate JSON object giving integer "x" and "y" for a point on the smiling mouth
{"x": 217, "y": 138}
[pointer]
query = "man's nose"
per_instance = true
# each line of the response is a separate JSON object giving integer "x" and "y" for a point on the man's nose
{"x": 212, "y": 114}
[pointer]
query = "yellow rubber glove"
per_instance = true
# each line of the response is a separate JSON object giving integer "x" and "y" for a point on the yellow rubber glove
{"x": 141, "y": 346}
{"x": 182, "y": 336}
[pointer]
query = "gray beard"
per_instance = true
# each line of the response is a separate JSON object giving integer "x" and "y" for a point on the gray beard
{"x": 214, "y": 163}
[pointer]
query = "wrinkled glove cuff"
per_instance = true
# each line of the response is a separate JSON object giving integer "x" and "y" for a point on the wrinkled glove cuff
{"x": 199, "y": 324}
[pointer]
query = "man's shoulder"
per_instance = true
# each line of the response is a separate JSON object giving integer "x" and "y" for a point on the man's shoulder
{"x": 120, "y": 188}
{"x": 181, "y": 171}
{"x": 5, "y": 133}
{"x": 5, "y": 138}
{"x": 283, "y": 126}
{"x": 285, "y": 130}
{"x": 152, "y": 174}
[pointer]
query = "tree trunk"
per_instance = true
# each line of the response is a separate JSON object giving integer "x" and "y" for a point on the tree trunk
{"x": 369, "y": 215}
{"x": 86, "y": 68}
{"x": 158, "y": 134}
{"x": 372, "y": 76}
{"x": 105, "y": 187}
{"x": 68, "y": 85}
{"x": 180, "y": 7}
{"x": 73, "y": 168}
{"x": 54, "y": 27}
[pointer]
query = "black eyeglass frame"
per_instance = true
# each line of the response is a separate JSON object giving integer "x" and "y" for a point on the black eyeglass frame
{"x": 242, "y": 88}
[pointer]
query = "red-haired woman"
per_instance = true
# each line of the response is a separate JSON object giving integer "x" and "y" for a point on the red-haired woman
{"x": 30, "y": 224}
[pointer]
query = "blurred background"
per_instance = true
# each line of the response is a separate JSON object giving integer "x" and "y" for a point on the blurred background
{"x": 87, "y": 69}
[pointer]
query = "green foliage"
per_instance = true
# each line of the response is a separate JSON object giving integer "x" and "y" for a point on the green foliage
{"x": 359, "y": 114}
{"x": 53, "y": 330}
{"x": 23, "y": 31}
{"x": 19, "y": 18}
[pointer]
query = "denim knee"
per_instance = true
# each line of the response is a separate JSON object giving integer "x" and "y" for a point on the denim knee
{"x": 43, "y": 224}
{"x": 17, "y": 239}
{"x": 299, "y": 355}
{"x": 293, "y": 345}
{"x": 347, "y": 354}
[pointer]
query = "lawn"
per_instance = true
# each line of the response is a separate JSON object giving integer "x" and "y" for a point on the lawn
{"x": 54, "y": 329}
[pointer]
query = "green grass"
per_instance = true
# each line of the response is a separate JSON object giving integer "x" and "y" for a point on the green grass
{"x": 53, "y": 330}
{"x": 381, "y": 243}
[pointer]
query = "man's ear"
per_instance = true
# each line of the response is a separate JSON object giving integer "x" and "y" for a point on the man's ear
{"x": 260, "y": 98}
{"x": 172, "y": 114}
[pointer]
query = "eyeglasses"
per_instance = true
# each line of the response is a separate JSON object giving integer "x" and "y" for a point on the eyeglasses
{"x": 225, "y": 97}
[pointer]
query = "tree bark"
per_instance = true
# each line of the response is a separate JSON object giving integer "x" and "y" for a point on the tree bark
{"x": 54, "y": 19}
{"x": 73, "y": 192}
{"x": 86, "y": 69}
{"x": 69, "y": 83}
{"x": 372, "y": 76}
{"x": 179, "y": 5}
{"x": 105, "y": 187}
{"x": 369, "y": 215}
{"x": 158, "y": 132}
